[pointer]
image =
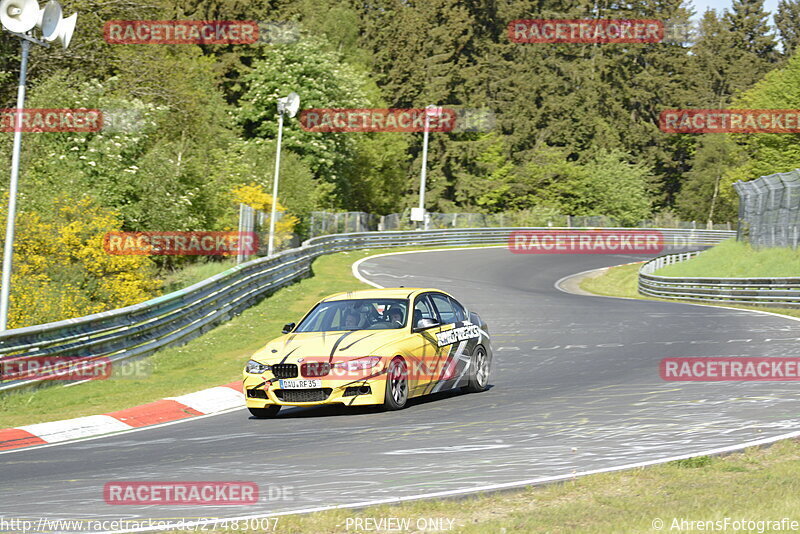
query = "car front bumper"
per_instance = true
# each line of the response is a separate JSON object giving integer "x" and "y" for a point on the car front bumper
{"x": 263, "y": 390}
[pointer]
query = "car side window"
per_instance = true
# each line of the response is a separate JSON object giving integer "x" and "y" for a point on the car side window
{"x": 423, "y": 310}
{"x": 461, "y": 313}
{"x": 444, "y": 307}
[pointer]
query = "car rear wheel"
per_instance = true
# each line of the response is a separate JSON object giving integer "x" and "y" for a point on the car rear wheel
{"x": 396, "y": 385}
{"x": 479, "y": 372}
{"x": 266, "y": 412}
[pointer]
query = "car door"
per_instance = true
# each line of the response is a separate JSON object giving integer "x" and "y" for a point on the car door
{"x": 457, "y": 339}
{"x": 424, "y": 371}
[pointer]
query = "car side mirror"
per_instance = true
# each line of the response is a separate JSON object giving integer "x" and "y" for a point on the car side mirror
{"x": 288, "y": 328}
{"x": 424, "y": 324}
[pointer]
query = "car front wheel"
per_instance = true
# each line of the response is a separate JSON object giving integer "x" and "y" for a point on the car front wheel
{"x": 396, "y": 385}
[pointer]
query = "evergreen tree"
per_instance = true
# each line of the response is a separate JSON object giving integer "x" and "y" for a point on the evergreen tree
{"x": 787, "y": 20}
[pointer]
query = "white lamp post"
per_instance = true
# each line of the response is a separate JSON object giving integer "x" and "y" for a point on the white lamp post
{"x": 20, "y": 17}
{"x": 419, "y": 214}
{"x": 287, "y": 105}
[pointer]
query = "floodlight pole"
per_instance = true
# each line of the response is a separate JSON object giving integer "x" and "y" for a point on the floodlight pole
{"x": 430, "y": 110}
{"x": 270, "y": 248}
{"x": 8, "y": 246}
{"x": 424, "y": 171}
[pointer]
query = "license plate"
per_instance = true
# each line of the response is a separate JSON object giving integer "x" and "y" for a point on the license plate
{"x": 300, "y": 384}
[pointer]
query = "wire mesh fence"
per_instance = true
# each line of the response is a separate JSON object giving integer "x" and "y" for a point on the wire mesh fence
{"x": 769, "y": 210}
{"x": 257, "y": 221}
{"x": 326, "y": 222}
{"x": 331, "y": 222}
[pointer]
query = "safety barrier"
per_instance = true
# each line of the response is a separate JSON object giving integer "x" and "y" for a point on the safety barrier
{"x": 783, "y": 292}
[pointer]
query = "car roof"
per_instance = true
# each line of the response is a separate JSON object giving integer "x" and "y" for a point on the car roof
{"x": 385, "y": 293}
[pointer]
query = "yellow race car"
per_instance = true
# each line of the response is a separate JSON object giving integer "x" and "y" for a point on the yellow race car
{"x": 377, "y": 346}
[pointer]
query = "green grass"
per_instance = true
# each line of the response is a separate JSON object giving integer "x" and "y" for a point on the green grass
{"x": 195, "y": 273}
{"x": 615, "y": 282}
{"x": 756, "y": 484}
{"x": 210, "y": 360}
{"x": 734, "y": 259}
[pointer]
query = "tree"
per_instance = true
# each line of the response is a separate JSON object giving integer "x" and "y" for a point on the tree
{"x": 700, "y": 198}
{"x": 787, "y": 20}
{"x": 765, "y": 153}
{"x": 347, "y": 165}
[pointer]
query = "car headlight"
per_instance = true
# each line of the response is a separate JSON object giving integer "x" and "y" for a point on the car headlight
{"x": 256, "y": 368}
{"x": 359, "y": 364}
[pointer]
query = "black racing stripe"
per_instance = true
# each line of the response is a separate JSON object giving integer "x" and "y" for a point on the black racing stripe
{"x": 289, "y": 354}
{"x": 289, "y": 340}
{"x": 357, "y": 340}
{"x": 336, "y": 345}
{"x": 364, "y": 380}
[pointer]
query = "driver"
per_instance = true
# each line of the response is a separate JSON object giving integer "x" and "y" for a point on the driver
{"x": 396, "y": 316}
{"x": 351, "y": 319}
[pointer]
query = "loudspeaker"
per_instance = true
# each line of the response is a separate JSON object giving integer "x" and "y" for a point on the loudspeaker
{"x": 292, "y": 104}
{"x": 65, "y": 30}
{"x": 19, "y": 16}
{"x": 49, "y": 17}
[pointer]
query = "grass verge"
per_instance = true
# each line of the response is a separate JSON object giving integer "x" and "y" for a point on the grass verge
{"x": 195, "y": 273}
{"x": 734, "y": 259}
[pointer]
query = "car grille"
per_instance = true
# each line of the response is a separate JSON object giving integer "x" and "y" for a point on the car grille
{"x": 313, "y": 369}
{"x": 284, "y": 370}
{"x": 303, "y": 395}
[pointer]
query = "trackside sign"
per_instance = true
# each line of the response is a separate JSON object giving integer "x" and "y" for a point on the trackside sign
{"x": 585, "y": 241}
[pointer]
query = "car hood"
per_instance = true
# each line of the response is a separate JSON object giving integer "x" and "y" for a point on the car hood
{"x": 339, "y": 345}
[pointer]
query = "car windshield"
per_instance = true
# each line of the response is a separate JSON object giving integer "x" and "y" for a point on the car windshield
{"x": 356, "y": 314}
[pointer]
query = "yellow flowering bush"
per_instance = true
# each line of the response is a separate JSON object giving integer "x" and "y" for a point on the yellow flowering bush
{"x": 61, "y": 270}
{"x": 254, "y": 196}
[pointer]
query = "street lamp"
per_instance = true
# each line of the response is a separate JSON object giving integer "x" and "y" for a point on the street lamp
{"x": 20, "y": 17}
{"x": 287, "y": 105}
{"x": 418, "y": 214}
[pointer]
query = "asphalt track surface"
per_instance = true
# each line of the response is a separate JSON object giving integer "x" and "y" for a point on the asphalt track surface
{"x": 575, "y": 387}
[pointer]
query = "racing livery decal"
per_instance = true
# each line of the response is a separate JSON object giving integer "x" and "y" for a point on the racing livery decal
{"x": 459, "y": 333}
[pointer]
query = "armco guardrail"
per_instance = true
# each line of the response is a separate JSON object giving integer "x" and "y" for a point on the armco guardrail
{"x": 783, "y": 292}
{"x": 142, "y": 329}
